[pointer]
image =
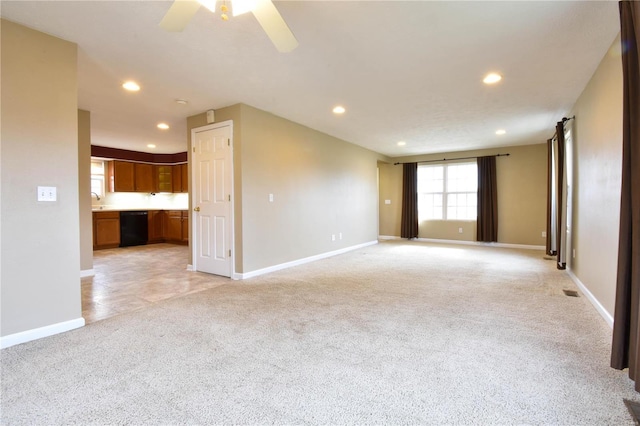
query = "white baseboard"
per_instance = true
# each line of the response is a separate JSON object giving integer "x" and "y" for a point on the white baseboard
{"x": 39, "y": 333}
{"x": 584, "y": 290}
{"x": 87, "y": 273}
{"x": 482, "y": 244}
{"x": 464, "y": 242}
{"x": 388, "y": 237}
{"x": 244, "y": 276}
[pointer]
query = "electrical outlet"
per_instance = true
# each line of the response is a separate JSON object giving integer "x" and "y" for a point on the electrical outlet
{"x": 387, "y": 201}
{"x": 333, "y": 237}
{"x": 544, "y": 234}
{"x": 271, "y": 198}
{"x": 459, "y": 230}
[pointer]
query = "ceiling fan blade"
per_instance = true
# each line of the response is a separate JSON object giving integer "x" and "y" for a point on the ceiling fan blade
{"x": 275, "y": 27}
{"x": 179, "y": 15}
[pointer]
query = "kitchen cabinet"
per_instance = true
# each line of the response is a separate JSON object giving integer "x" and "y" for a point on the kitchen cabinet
{"x": 185, "y": 227}
{"x": 125, "y": 176}
{"x": 144, "y": 178}
{"x": 184, "y": 168}
{"x": 176, "y": 227}
{"x": 156, "y": 222}
{"x": 180, "y": 178}
{"x": 164, "y": 178}
{"x": 121, "y": 175}
{"x": 106, "y": 230}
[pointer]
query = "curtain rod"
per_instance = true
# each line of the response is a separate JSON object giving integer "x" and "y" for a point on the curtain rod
{"x": 459, "y": 158}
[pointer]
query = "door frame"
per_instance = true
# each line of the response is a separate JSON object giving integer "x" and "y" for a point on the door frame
{"x": 193, "y": 237}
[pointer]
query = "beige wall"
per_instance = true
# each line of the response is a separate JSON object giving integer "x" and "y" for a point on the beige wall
{"x": 390, "y": 188}
{"x": 40, "y": 241}
{"x": 522, "y": 203}
{"x": 84, "y": 190}
{"x": 322, "y": 186}
{"x": 597, "y": 135}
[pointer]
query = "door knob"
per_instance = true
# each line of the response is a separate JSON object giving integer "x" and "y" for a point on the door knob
{"x": 197, "y": 209}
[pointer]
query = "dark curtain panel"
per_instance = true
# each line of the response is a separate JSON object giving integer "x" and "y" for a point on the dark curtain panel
{"x": 550, "y": 250}
{"x": 409, "y": 224}
{"x": 560, "y": 227}
{"x": 625, "y": 351}
{"x": 487, "y": 226}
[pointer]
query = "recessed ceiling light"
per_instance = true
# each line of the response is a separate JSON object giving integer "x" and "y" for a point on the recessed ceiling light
{"x": 402, "y": 143}
{"x": 492, "y": 78}
{"x": 131, "y": 86}
{"x": 181, "y": 102}
{"x": 163, "y": 126}
{"x": 339, "y": 110}
{"x": 500, "y": 132}
{"x": 151, "y": 145}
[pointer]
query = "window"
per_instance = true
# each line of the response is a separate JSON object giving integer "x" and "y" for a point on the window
{"x": 448, "y": 191}
{"x": 97, "y": 177}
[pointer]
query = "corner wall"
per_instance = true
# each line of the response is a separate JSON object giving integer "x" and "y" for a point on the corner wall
{"x": 84, "y": 192}
{"x": 597, "y": 140}
{"x": 390, "y": 190}
{"x": 40, "y": 240}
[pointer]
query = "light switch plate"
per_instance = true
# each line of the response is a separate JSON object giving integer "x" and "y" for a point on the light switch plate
{"x": 47, "y": 193}
{"x": 387, "y": 201}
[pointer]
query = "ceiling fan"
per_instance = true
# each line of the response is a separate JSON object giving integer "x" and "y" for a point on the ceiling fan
{"x": 181, "y": 12}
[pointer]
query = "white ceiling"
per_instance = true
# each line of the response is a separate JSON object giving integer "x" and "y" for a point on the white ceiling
{"x": 407, "y": 71}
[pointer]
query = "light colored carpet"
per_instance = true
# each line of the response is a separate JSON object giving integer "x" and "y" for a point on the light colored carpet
{"x": 396, "y": 333}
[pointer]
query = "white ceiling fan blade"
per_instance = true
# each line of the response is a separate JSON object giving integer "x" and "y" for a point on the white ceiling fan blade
{"x": 179, "y": 15}
{"x": 275, "y": 27}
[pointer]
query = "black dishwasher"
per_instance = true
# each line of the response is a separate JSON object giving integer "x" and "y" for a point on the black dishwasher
{"x": 134, "y": 228}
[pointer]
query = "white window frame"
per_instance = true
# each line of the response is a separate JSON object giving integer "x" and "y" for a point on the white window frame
{"x": 446, "y": 194}
{"x": 100, "y": 190}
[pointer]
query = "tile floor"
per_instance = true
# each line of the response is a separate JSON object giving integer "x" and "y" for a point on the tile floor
{"x": 131, "y": 278}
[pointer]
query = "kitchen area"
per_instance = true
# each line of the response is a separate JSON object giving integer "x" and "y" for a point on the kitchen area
{"x": 136, "y": 203}
{"x": 140, "y": 225}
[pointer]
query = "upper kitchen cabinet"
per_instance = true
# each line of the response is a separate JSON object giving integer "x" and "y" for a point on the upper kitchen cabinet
{"x": 180, "y": 178}
{"x": 125, "y": 176}
{"x": 184, "y": 168}
{"x": 164, "y": 178}
{"x": 145, "y": 177}
{"x": 121, "y": 175}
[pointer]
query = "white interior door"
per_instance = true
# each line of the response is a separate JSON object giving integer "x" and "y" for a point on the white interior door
{"x": 211, "y": 199}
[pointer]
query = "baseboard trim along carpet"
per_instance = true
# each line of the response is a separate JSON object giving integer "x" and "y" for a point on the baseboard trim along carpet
{"x": 479, "y": 243}
{"x": 39, "y": 333}
{"x": 467, "y": 243}
{"x": 596, "y": 304}
{"x": 87, "y": 273}
{"x": 246, "y": 275}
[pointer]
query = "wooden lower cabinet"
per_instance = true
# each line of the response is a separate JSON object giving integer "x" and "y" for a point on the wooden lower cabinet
{"x": 156, "y": 222}
{"x": 185, "y": 227}
{"x": 106, "y": 230}
{"x": 170, "y": 226}
{"x": 176, "y": 229}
